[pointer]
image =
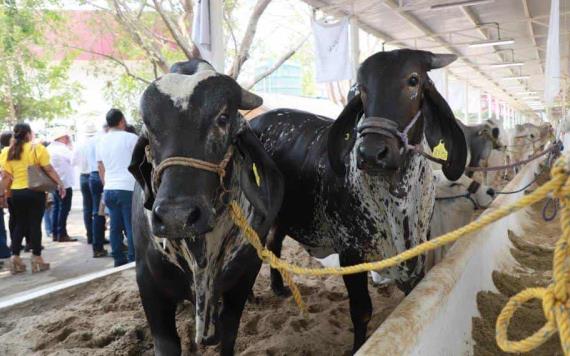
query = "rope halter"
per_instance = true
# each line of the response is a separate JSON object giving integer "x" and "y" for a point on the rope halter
{"x": 383, "y": 126}
{"x": 219, "y": 169}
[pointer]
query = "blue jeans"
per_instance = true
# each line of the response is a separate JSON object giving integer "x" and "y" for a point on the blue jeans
{"x": 48, "y": 221}
{"x": 120, "y": 204}
{"x": 4, "y": 250}
{"x": 98, "y": 234}
{"x": 61, "y": 209}
{"x": 87, "y": 206}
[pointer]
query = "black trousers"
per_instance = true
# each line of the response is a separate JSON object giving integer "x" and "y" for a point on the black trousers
{"x": 28, "y": 209}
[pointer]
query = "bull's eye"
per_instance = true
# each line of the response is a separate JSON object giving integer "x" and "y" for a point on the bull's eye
{"x": 223, "y": 120}
{"x": 413, "y": 80}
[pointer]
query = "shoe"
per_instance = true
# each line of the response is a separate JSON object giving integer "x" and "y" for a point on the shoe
{"x": 16, "y": 265}
{"x": 99, "y": 254}
{"x": 66, "y": 239}
{"x": 38, "y": 264}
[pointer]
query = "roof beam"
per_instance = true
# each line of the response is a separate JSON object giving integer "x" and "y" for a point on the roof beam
{"x": 420, "y": 26}
{"x": 531, "y": 31}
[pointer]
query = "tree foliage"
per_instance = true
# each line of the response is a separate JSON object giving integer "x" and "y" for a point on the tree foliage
{"x": 150, "y": 35}
{"x": 32, "y": 84}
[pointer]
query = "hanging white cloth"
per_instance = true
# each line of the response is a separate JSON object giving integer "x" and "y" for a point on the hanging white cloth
{"x": 552, "y": 75}
{"x": 332, "y": 54}
{"x": 201, "y": 31}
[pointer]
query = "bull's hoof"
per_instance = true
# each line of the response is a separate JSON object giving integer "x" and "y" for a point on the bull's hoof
{"x": 281, "y": 291}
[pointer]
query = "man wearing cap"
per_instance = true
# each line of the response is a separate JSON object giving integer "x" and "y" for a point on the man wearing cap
{"x": 61, "y": 160}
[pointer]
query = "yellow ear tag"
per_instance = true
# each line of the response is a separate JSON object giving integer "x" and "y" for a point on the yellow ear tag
{"x": 256, "y": 174}
{"x": 439, "y": 151}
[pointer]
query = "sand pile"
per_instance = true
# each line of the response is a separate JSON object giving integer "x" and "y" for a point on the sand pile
{"x": 106, "y": 317}
{"x": 533, "y": 252}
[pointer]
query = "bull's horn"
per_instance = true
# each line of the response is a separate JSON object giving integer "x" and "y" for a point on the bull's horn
{"x": 249, "y": 100}
{"x": 441, "y": 60}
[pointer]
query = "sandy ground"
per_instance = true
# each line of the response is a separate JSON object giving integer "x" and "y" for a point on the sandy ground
{"x": 106, "y": 317}
{"x": 68, "y": 260}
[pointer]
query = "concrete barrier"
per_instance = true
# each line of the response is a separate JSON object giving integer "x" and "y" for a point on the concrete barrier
{"x": 56, "y": 287}
{"x": 435, "y": 319}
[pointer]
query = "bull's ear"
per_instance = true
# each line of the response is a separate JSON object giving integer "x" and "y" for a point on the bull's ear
{"x": 141, "y": 169}
{"x": 342, "y": 134}
{"x": 260, "y": 179}
{"x": 436, "y": 60}
{"x": 249, "y": 101}
{"x": 442, "y": 127}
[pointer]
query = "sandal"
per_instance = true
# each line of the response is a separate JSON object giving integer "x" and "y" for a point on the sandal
{"x": 16, "y": 265}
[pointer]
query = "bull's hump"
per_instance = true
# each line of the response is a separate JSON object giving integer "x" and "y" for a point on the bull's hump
{"x": 180, "y": 87}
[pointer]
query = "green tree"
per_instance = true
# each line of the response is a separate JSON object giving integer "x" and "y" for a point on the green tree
{"x": 32, "y": 84}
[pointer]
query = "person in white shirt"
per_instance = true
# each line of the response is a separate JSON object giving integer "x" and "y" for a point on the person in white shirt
{"x": 96, "y": 188}
{"x": 61, "y": 160}
{"x": 82, "y": 163}
{"x": 114, "y": 151}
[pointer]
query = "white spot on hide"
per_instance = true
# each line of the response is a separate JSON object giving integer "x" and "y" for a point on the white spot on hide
{"x": 179, "y": 87}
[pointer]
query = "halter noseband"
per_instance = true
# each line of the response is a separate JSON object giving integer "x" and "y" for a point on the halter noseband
{"x": 383, "y": 126}
{"x": 219, "y": 169}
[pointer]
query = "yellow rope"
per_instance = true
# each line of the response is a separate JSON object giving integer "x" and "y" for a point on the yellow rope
{"x": 556, "y": 303}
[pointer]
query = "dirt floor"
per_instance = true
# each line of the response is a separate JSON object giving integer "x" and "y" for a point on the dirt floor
{"x": 106, "y": 317}
{"x": 533, "y": 252}
{"x": 68, "y": 260}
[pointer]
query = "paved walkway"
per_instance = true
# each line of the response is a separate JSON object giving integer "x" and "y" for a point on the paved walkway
{"x": 68, "y": 259}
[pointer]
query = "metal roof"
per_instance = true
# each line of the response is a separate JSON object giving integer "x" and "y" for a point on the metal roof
{"x": 416, "y": 24}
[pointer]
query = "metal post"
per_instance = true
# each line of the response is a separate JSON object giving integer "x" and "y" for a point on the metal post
{"x": 354, "y": 45}
{"x": 466, "y": 104}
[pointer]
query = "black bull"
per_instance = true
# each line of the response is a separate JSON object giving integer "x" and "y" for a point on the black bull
{"x": 186, "y": 244}
{"x": 351, "y": 186}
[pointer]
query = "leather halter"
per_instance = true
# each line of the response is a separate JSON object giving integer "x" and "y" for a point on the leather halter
{"x": 472, "y": 189}
{"x": 386, "y": 127}
{"x": 219, "y": 169}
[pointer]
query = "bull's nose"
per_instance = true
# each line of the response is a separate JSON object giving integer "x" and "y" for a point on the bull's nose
{"x": 381, "y": 153}
{"x": 193, "y": 215}
{"x": 377, "y": 156}
{"x": 157, "y": 220}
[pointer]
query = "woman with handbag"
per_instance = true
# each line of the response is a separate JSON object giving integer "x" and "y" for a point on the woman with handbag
{"x": 28, "y": 167}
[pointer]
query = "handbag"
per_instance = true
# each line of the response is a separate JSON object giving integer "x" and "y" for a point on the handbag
{"x": 38, "y": 180}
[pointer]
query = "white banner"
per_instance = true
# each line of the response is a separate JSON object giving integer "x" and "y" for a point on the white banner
{"x": 552, "y": 71}
{"x": 201, "y": 32}
{"x": 332, "y": 55}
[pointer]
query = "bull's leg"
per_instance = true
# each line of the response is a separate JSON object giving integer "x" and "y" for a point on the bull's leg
{"x": 360, "y": 304}
{"x": 274, "y": 244}
{"x": 160, "y": 313}
{"x": 233, "y": 304}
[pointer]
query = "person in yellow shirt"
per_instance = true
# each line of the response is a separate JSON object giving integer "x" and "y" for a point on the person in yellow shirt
{"x": 28, "y": 205}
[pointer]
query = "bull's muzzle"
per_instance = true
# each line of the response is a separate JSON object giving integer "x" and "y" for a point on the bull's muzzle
{"x": 180, "y": 218}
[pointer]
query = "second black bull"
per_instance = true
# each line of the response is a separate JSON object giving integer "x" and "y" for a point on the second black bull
{"x": 352, "y": 186}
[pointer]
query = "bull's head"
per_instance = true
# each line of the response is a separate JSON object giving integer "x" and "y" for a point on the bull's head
{"x": 396, "y": 101}
{"x": 195, "y": 153}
